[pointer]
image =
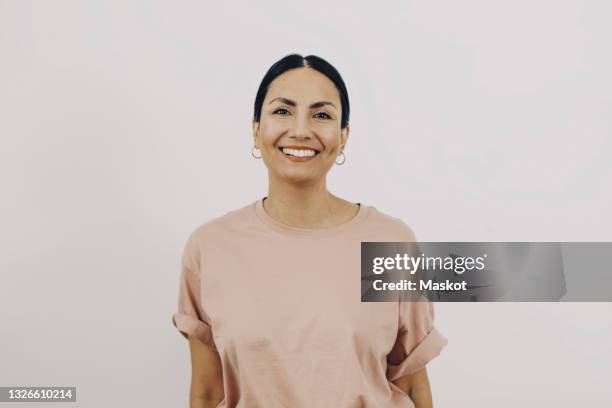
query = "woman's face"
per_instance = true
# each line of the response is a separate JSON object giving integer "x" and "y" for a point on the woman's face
{"x": 299, "y": 129}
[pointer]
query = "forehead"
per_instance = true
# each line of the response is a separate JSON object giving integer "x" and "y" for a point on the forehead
{"x": 303, "y": 84}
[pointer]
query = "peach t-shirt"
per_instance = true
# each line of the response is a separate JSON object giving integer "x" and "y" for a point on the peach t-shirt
{"x": 281, "y": 305}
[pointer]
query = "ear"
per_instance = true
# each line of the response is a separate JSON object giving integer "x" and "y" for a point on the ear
{"x": 255, "y": 126}
{"x": 344, "y": 135}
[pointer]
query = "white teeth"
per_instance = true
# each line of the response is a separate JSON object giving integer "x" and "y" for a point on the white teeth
{"x": 299, "y": 152}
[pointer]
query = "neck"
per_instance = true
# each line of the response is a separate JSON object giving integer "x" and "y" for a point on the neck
{"x": 306, "y": 205}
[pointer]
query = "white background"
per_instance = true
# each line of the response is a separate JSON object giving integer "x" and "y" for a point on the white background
{"x": 126, "y": 124}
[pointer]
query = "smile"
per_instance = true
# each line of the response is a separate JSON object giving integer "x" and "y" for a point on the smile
{"x": 298, "y": 153}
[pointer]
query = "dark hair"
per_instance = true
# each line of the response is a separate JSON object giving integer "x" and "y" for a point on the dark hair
{"x": 297, "y": 61}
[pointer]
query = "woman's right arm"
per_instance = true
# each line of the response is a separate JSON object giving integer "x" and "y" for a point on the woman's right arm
{"x": 206, "y": 376}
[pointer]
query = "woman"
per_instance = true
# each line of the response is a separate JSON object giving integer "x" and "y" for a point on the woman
{"x": 269, "y": 293}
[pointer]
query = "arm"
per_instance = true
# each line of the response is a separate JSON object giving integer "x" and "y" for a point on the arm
{"x": 206, "y": 376}
{"x": 417, "y": 387}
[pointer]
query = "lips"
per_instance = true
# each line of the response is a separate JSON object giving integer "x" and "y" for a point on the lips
{"x": 298, "y": 153}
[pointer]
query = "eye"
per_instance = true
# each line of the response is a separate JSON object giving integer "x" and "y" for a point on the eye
{"x": 326, "y": 116}
{"x": 283, "y": 110}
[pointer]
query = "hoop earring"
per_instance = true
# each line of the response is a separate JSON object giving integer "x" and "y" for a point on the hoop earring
{"x": 343, "y": 159}
{"x": 253, "y": 152}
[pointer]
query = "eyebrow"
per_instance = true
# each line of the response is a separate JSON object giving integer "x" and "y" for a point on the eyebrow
{"x": 312, "y": 106}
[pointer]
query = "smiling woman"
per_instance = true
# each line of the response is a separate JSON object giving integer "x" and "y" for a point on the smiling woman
{"x": 302, "y": 113}
{"x": 294, "y": 333}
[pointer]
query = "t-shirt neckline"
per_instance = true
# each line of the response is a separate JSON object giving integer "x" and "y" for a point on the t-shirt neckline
{"x": 285, "y": 229}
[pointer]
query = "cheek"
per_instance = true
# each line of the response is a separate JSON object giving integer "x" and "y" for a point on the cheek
{"x": 331, "y": 139}
{"x": 271, "y": 132}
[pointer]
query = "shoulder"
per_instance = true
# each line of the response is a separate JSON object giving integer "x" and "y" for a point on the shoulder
{"x": 394, "y": 228}
{"x": 233, "y": 220}
{"x": 215, "y": 229}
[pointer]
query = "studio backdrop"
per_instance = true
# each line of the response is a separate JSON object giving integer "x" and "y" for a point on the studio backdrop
{"x": 124, "y": 125}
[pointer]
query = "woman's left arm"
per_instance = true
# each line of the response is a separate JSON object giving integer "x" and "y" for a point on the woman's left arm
{"x": 417, "y": 387}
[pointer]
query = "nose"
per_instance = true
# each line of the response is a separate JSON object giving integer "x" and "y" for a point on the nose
{"x": 301, "y": 136}
{"x": 300, "y": 129}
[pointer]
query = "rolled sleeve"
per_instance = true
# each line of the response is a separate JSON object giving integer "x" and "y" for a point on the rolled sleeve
{"x": 418, "y": 341}
{"x": 191, "y": 319}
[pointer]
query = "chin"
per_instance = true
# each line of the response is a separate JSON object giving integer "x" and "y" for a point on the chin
{"x": 299, "y": 178}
